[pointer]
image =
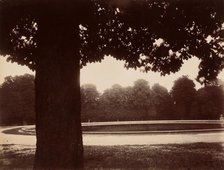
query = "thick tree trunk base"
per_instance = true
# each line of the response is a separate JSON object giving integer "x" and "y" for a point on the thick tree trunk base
{"x": 58, "y": 123}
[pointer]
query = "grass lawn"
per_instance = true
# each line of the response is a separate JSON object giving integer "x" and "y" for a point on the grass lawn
{"x": 176, "y": 156}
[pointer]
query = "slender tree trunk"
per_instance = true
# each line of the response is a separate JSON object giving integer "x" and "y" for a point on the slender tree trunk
{"x": 58, "y": 123}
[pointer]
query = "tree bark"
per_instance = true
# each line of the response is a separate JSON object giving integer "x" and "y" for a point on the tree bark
{"x": 58, "y": 123}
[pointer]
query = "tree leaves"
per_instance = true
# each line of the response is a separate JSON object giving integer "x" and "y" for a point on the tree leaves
{"x": 126, "y": 30}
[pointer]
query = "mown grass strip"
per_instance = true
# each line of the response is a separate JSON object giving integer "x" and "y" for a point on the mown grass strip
{"x": 176, "y": 156}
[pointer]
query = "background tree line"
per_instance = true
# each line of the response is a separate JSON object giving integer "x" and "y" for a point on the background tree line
{"x": 17, "y": 104}
{"x": 137, "y": 102}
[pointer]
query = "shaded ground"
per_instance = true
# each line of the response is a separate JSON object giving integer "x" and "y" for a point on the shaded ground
{"x": 174, "y": 156}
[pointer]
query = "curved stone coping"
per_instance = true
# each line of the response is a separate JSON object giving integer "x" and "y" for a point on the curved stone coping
{"x": 30, "y": 129}
{"x": 27, "y": 131}
{"x": 153, "y": 122}
{"x": 154, "y": 132}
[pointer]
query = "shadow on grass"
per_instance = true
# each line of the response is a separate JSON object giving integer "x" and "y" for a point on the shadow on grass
{"x": 175, "y": 156}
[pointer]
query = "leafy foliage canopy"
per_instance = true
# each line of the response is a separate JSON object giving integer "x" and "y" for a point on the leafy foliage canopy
{"x": 157, "y": 35}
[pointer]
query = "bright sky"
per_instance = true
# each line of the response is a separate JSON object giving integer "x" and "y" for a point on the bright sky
{"x": 111, "y": 71}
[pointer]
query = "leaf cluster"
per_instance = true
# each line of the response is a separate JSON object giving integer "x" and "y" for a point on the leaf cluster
{"x": 155, "y": 35}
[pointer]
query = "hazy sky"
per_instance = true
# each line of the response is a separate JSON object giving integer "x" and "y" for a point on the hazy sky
{"x": 111, "y": 71}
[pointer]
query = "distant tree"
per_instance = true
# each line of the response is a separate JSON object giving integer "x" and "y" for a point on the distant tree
{"x": 141, "y": 99}
{"x": 17, "y": 100}
{"x": 56, "y": 38}
{"x": 183, "y": 95}
{"x": 210, "y": 102}
{"x": 113, "y": 96}
{"x": 127, "y": 99}
{"x": 113, "y": 102}
{"x": 89, "y": 101}
{"x": 162, "y": 102}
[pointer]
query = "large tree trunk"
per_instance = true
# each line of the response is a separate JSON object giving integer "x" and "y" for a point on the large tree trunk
{"x": 58, "y": 123}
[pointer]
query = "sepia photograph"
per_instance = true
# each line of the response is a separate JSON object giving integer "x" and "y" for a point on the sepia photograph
{"x": 112, "y": 84}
